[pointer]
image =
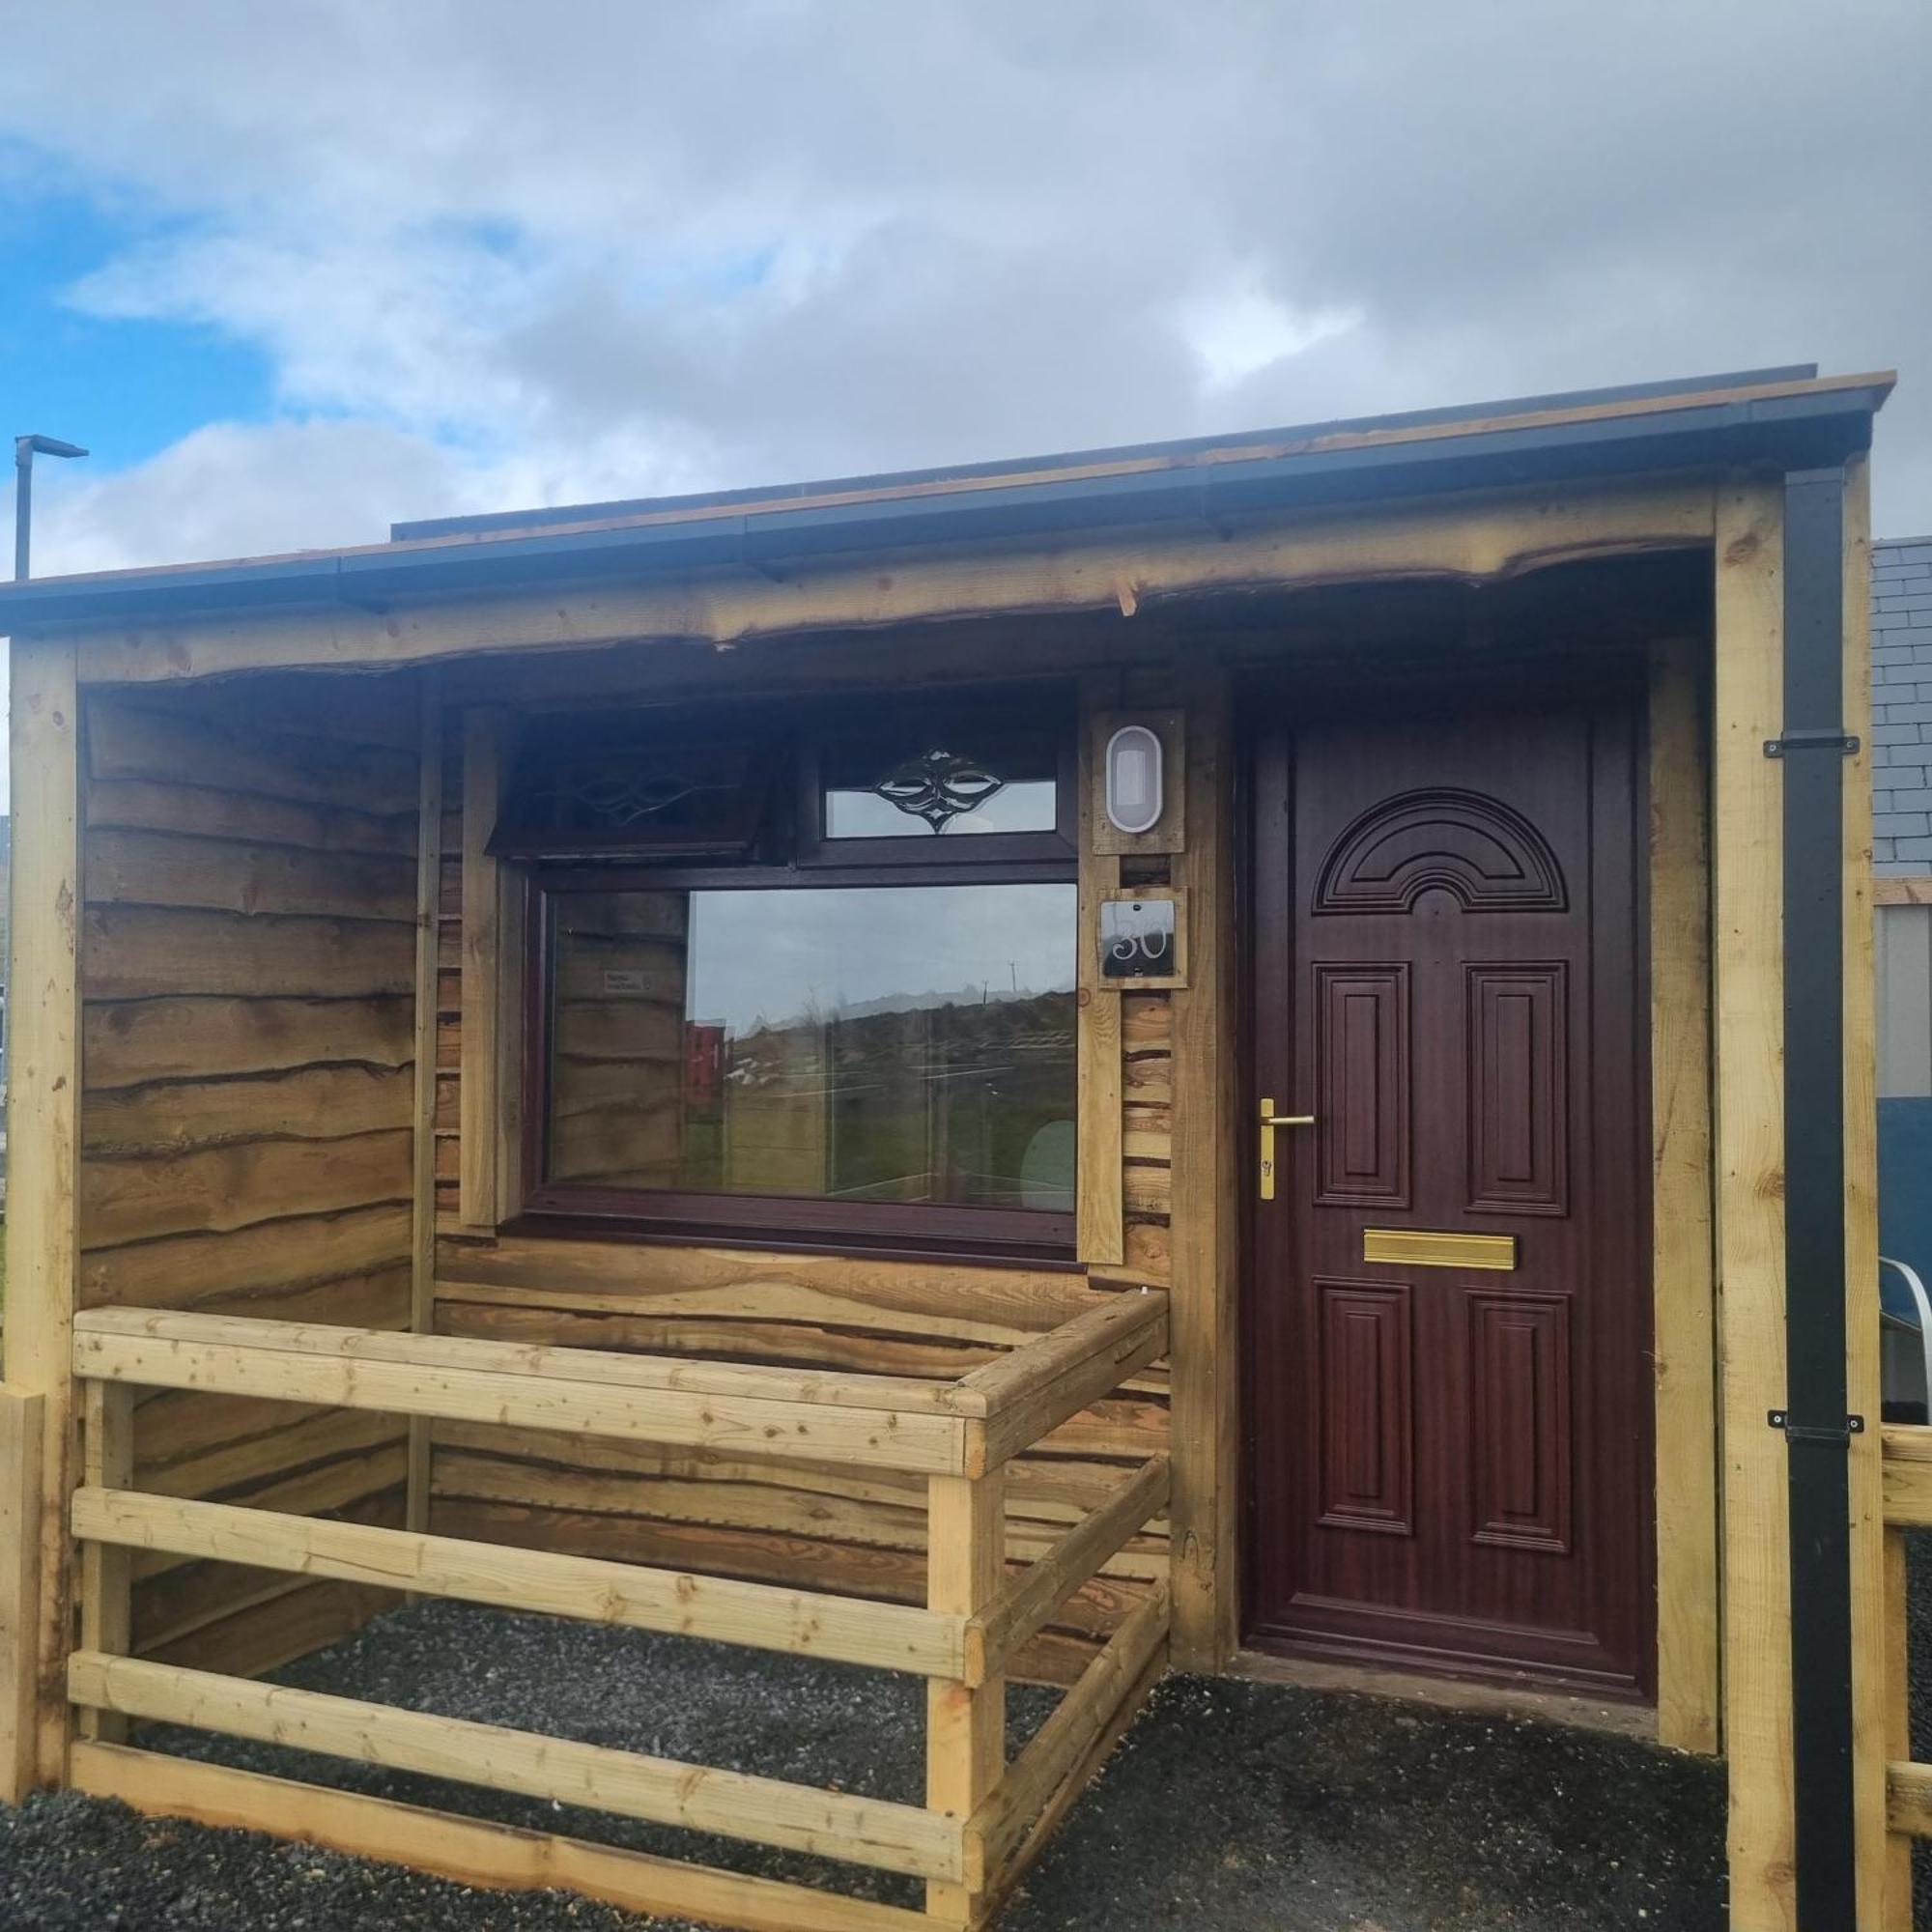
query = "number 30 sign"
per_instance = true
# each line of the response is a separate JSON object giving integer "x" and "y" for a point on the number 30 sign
{"x": 1144, "y": 938}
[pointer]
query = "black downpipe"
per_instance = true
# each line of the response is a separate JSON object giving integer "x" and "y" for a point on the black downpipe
{"x": 1817, "y": 1428}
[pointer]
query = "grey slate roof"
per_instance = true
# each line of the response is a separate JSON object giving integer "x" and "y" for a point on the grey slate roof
{"x": 1902, "y": 705}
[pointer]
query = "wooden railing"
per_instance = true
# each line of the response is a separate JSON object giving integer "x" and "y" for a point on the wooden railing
{"x": 1908, "y": 1506}
{"x": 983, "y": 1818}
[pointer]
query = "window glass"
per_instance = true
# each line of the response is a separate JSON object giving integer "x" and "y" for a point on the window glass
{"x": 947, "y": 786}
{"x": 899, "y": 1043}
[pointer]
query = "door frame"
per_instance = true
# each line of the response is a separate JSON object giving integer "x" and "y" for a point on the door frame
{"x": 1666, "y": 684}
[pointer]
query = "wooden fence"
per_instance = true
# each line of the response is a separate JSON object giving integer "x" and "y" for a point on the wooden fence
{"x": 1908, "y": 1506}
{"x": 984, "y": 1818}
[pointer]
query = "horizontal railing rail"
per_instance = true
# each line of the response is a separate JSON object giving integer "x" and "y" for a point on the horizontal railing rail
{"x": 659, "y": 1791}
{"x": 1027, "y": 1393}
{"x": 1028, "y": 1602}
{"x": 762, "y": 1616}
{"x": 965, "y": 1427}
{"x": 984, "y": 1819}
{"x": 1089, "y": 1718}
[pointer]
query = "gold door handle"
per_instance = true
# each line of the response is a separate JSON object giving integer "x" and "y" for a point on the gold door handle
{"x": 1270, "y": 1120}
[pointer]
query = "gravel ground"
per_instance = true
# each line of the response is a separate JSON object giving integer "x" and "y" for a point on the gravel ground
{"x": 1232, "y": 1808}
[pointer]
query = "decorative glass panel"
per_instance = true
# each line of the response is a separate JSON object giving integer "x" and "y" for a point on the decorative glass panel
{"x": 875, "y": 791}
{"x": 662, "y": 797}
{"x": 909, "y": 1044}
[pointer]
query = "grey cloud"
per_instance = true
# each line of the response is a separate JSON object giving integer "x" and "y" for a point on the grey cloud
{"x": 598, "y": 248}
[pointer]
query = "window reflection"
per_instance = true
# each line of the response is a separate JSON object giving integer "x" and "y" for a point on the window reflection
{"x": 907, "y": 1044}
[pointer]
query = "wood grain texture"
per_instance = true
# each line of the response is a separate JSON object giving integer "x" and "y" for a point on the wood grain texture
{"x": 1205, "y": 1236}
{"x": 797, "y": 1523}
{"x": 426, "y": 1096}
{"x": 895, "y": 1837}
{"x": 143, "y": 952}
{"x": 44, "y": 1129}
{"x": 469, "y": 1851}
{"x": 883, "y": 1637}
{"x": 1748, "y": 1003}
{"x": 1897, "y": 1915}
{"x": 106, "y": 1572}
{"x": 306, "y": 1103}
{"x": 1683, "y": 1316}
{"x": 221, "y": 1189}
{"x": 179, "y": 1040}
{"x": 248, "y": 1093}
{"x": 482, "y": 949}
{"x": 1469, "y": 539}
{"x": 238, "y": 744}
{"x": 22, "y": 1430}
{"x": 965, "y": 1723}
{"x": 164, "y": 868}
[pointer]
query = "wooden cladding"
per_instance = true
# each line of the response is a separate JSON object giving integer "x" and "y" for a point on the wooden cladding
{"x": 796, "y": 1524}
{"x": 246, "y": 1099}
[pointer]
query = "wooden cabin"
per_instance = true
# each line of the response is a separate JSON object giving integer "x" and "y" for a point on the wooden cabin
{"x": 1052, "y": 1070}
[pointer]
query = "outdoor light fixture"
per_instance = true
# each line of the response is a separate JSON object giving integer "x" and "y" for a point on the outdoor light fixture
{"x": 26, "y": 450}
{"x": 1134, "y": 797}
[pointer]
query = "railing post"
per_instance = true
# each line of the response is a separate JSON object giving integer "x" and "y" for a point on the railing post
{"x": 106, "y": 1569}
{"x": 966, "y": 1727}
{"x": 22, "y": 1426}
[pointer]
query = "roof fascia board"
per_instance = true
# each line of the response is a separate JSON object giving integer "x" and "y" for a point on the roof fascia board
{"x": 1807, "y": 428}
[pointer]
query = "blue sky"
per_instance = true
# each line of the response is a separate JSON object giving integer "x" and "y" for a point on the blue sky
{"x": 126, "y": 388}
{"x": 294, "y": 272}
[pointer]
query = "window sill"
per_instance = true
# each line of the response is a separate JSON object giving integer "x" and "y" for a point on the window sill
{"x": 557, "y": 1222}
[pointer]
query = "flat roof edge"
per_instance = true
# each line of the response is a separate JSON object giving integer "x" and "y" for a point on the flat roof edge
{"x": 1802, "y": 423}
{"x": 1179, "y": 449}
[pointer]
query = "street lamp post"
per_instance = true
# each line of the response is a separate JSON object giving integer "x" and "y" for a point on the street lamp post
{"x": 26, "y": 448}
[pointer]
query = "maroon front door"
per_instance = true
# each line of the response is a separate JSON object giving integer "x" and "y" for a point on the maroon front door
{"x": 1451, "y": 1461}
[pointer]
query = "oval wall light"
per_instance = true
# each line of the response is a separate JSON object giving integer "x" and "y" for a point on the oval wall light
{"x": 1133, "y": 765}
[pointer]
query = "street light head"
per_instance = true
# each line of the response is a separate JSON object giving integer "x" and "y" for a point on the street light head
{"x": 26, "y": 450}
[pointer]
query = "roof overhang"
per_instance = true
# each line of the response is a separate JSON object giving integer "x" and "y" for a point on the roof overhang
{"x": 1786, "y": 419}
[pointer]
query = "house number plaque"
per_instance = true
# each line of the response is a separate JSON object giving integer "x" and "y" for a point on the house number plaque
{"x": 1143, "y": 939}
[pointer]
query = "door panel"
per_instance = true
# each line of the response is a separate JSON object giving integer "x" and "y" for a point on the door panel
{"x": 1450, "y": 1463}
{"x": 1362, "y": 1019}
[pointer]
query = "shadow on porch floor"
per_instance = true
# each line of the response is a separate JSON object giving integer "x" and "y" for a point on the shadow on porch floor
{"x": 1231, "y": 1807}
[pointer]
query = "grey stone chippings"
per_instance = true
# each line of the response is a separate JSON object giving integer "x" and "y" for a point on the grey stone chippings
{"x": 1231, "y": 1806}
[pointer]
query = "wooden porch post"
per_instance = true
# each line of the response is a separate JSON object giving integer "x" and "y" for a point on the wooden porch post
{"x": 1684, "y": 1324}
{"x": 1207, "y": 1219}
{"x": 1750, "y": 953}
{"x": 42, "y": 1100}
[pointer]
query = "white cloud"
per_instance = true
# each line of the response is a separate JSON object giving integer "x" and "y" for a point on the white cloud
{"x": 1243, "y": 331}
{"x": 496, "y": 254}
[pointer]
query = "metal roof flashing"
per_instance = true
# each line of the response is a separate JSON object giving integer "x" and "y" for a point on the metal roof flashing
{"x": 1784, "y": 416}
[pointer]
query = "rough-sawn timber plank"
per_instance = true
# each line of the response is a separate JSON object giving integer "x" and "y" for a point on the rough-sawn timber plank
{"x": 887, "y": 1636}
{"x": 662, "y": 1791}
{"x": 468, "y": 1849}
